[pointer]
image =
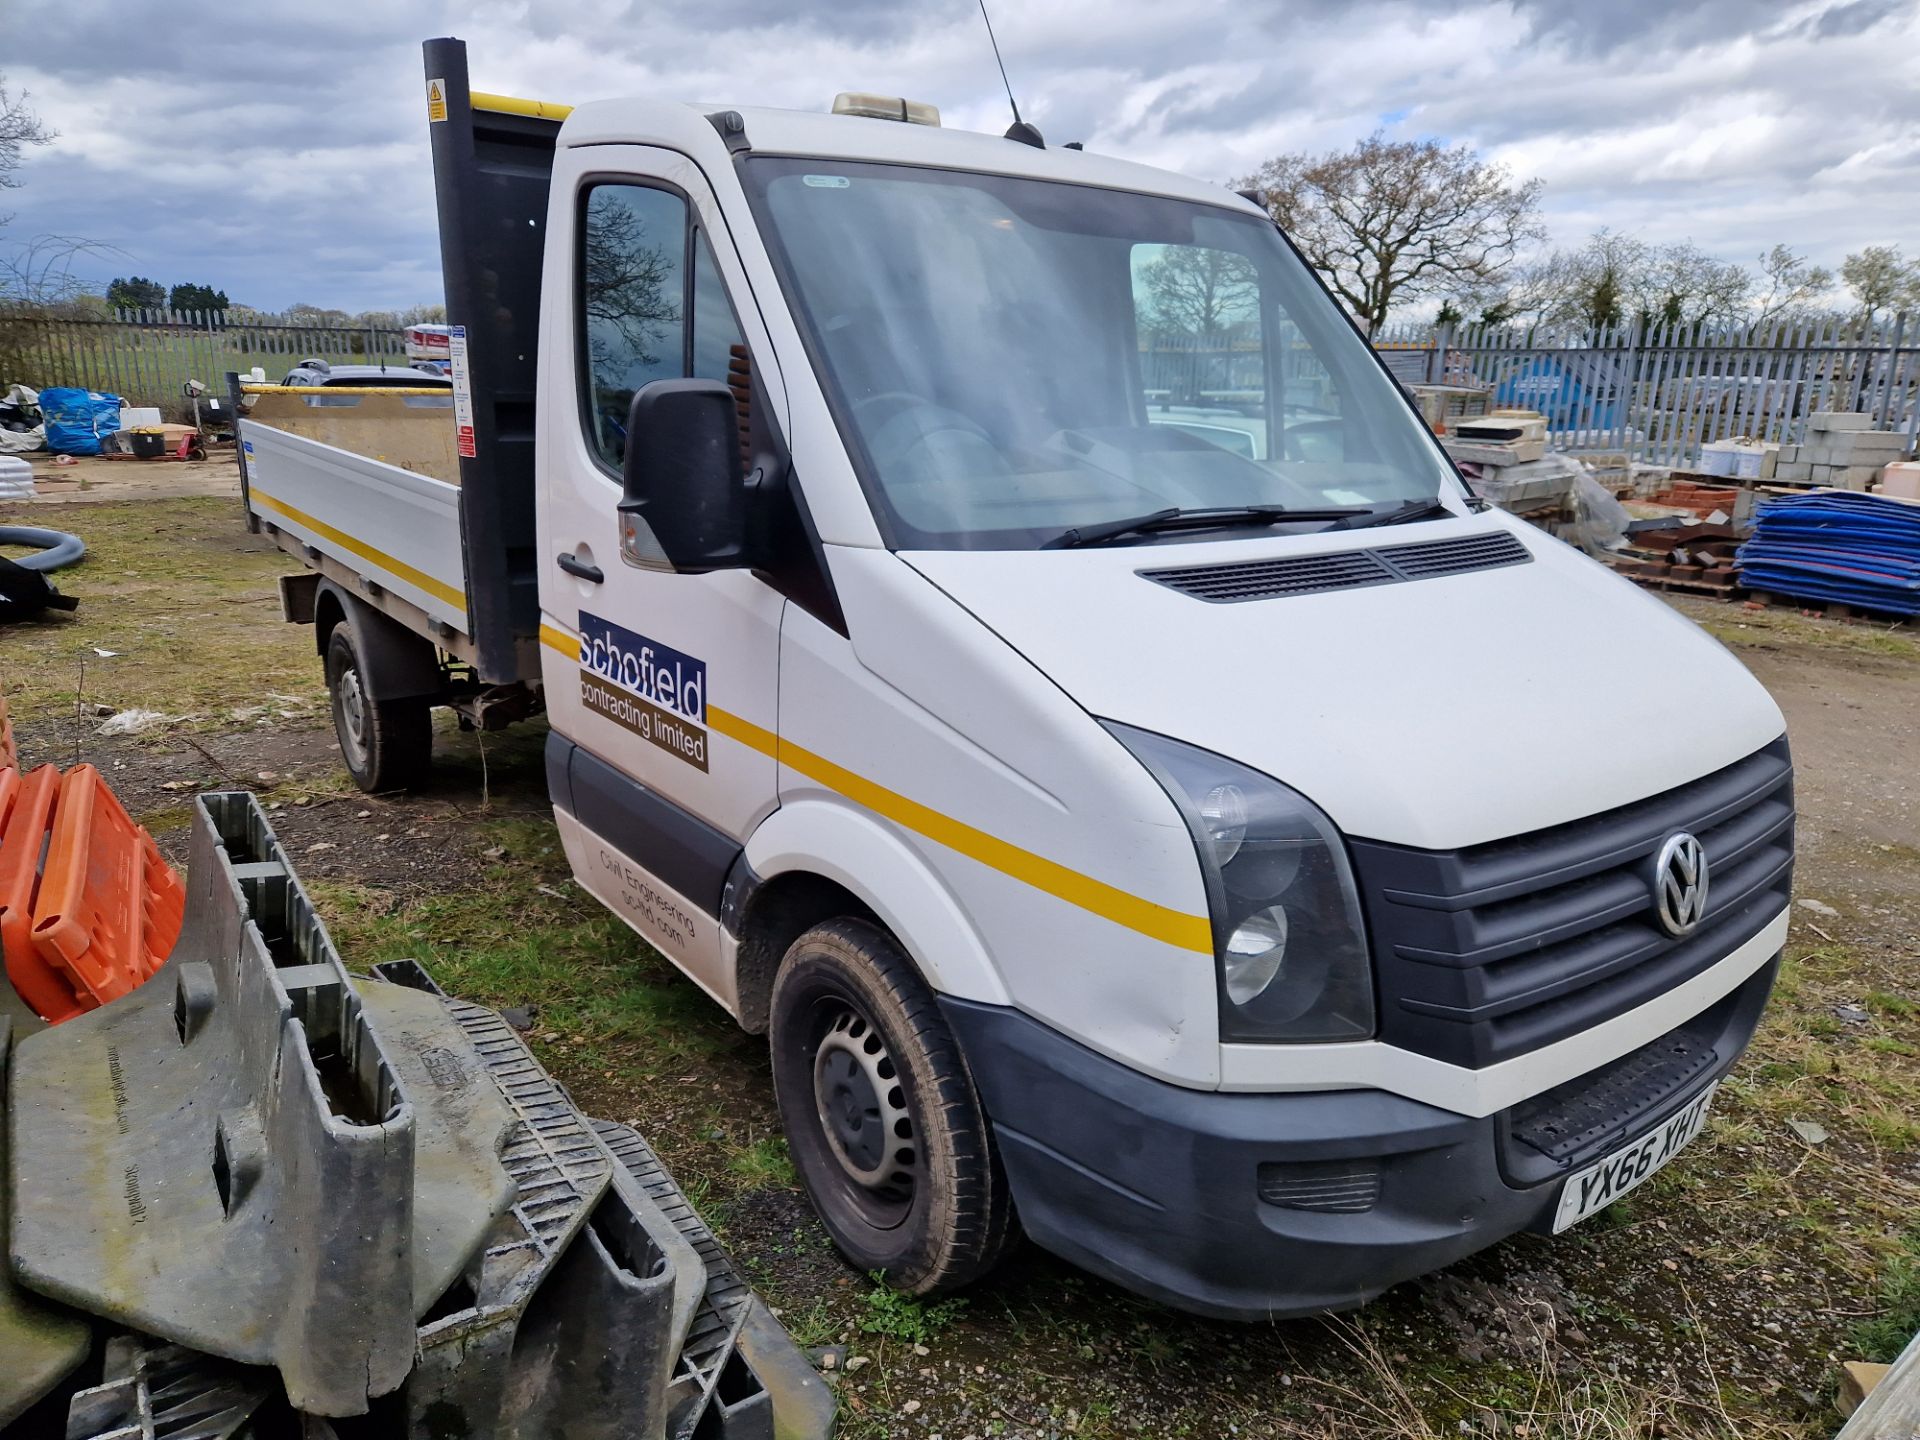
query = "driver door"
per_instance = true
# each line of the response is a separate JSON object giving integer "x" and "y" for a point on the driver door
{"x": 667, "y": 684}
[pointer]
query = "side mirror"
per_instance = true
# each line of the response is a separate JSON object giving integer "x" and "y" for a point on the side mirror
{"x": 683, "y": 476}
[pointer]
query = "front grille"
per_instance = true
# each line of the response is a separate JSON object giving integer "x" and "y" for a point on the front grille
{"x": 1491, "y": 951}
{"x": 1342, "y": 570}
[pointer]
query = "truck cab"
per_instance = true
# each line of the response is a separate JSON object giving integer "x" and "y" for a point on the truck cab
{"x": 1006, "y": 638}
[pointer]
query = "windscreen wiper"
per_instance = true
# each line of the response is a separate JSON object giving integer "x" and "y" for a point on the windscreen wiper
{"x": 1178, "y": 518}
{"x": 1399, "y": 514}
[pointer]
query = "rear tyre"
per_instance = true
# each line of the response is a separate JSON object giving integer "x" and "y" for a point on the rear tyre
{"x": 387, "y": 744}
{"x": 881, "y": 1115}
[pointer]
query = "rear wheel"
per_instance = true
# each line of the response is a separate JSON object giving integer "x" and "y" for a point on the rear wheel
{"x": 387, "y": 744}
{"x": 880, "y": 1113}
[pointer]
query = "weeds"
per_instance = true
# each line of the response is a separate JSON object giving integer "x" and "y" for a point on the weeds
{"x": 906, "y": 1318}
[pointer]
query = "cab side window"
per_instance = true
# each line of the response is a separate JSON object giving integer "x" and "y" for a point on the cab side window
{"x": 646, "y": 313}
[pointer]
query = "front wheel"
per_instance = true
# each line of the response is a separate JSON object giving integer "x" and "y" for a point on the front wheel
{"x": 387, "y": 744}
{"x": 880, "y": 1113}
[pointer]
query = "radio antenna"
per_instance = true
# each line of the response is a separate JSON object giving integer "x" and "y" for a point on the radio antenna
{"x": 1020, "y": 130}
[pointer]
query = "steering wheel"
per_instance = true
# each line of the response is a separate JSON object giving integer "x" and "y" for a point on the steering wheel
{"x": 914, "y": 423}
{"x": 1298, "y": 441}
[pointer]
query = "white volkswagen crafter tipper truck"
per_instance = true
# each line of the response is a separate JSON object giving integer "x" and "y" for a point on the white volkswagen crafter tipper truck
{"x": 1006, "y": 638}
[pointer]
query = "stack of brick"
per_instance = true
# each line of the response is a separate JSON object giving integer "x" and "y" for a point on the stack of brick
{"x": 1842, "y": 450}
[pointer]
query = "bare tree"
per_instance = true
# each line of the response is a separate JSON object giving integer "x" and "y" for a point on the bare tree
{"x": 1615, "y": 278}
{"x": 19, "y": 128}
{"x": 39, "y": 271}
{"x": 1792, "y": 282}
{"x": 1684, "y": 285}
{"x": 1881, "y": 278}
{"x": 1201, "y": 291}
{"x": 1392, "y": 221}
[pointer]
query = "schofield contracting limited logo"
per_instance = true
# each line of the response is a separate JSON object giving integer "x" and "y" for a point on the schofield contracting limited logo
{"x": 651, "y": 689}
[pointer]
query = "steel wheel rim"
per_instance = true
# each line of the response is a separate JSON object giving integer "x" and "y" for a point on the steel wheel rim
{"x": 353, "y": 714}
{"x": 861, "y": 1105}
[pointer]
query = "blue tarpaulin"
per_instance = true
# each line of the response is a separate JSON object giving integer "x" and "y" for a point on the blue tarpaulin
{"x": 76, "y": 419}
{"x": 1837, "y": 545}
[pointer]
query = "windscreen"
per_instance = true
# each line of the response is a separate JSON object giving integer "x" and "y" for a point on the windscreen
{"x": 1011, "y": 360}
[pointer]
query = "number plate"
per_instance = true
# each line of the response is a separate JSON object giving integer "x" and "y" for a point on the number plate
{"x": 1598, "y": 1186}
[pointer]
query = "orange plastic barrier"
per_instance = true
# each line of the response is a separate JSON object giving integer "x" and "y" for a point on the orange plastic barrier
{"x": 109, "y": 906}
{"x": 26, "y": 814}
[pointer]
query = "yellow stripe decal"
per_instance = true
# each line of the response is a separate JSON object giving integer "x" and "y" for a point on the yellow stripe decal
{"x": 514, "y": 105}
{"x": 419, "y": 579}
{"x": 1175, "y": 927}
{"x": 567, "y": 645}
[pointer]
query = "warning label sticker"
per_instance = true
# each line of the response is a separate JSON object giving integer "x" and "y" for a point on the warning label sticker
{"x": 436, "y": 99}
{"x": 462, "y": 392}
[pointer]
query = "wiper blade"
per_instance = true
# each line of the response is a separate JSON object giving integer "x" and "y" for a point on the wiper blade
{"x": 1177, "y": 518}
{"x": 1399, "y": 514}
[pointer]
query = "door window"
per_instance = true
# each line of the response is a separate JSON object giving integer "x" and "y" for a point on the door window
{"x": 645, "y": 313}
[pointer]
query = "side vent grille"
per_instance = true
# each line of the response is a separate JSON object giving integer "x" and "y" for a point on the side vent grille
{"x": 1333, "y": 1187}
{"x": 1343, "y": 570}
{"x": 1455, "y": 557}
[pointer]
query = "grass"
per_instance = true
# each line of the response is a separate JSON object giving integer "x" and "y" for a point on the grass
{"x": 764, "y": 1162}
{"x": 1557, "y": 1399}
{"x": 186, "y": 602}
{"x": 602, "y": 999}
{"x": 1886, "y": 1334}
{"x": 1736, "y": 626}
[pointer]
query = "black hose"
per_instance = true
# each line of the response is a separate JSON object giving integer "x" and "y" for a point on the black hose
{"x": 57, "y": 548}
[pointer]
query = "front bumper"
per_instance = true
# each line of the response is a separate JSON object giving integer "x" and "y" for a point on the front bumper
{"x": 1261, "y": 1206}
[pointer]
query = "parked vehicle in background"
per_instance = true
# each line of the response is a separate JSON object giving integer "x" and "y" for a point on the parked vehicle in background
{"x": 428, "y": 342}
{"x": 315, "y": 371}
{"x": 1181, "y": 818}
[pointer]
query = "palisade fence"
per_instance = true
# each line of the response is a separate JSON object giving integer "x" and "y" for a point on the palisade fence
{"x": 1661, "y": 392}
{"x": 147, "y": 356}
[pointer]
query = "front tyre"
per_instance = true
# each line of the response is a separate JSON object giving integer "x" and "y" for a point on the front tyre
{"x": 880, "y": 1113}
{"x": 387, "y": 744}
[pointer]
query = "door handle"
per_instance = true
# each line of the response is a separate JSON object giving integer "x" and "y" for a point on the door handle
{"x": 580, "y": 568}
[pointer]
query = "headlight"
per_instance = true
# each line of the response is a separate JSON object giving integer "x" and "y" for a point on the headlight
{"x": 1288, "y": 937}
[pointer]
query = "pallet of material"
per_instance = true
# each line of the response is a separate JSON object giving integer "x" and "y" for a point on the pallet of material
{"x": 1718, "y": 579}
{"x": 1494, "y": 452}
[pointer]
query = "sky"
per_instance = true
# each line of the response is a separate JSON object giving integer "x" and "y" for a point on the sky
{"x": 280, "y": 152}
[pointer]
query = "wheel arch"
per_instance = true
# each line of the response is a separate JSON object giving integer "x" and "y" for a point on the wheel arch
{"x": 395, "y": 663}
{"x": 815, "y": 860}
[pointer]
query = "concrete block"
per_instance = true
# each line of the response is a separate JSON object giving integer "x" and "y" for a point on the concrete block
{"x": 1789, "y": 454}
{"x": 1794, "y": 472}
{"x": 1769, "y": 462}
{"x": 1822, "y": 474}
{"x": 1901, "y": 479}
{"x": 1840, "y": 420}
{"x": 1857, "y": 477}
{"x": 1875, "y": 442}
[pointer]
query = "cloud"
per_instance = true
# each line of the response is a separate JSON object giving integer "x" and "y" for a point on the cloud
{"x": 281, "y": 153}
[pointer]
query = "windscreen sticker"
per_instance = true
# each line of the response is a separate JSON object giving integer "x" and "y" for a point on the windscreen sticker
{"x": 641, "y": 685}
{"x": 462, "y": 392}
